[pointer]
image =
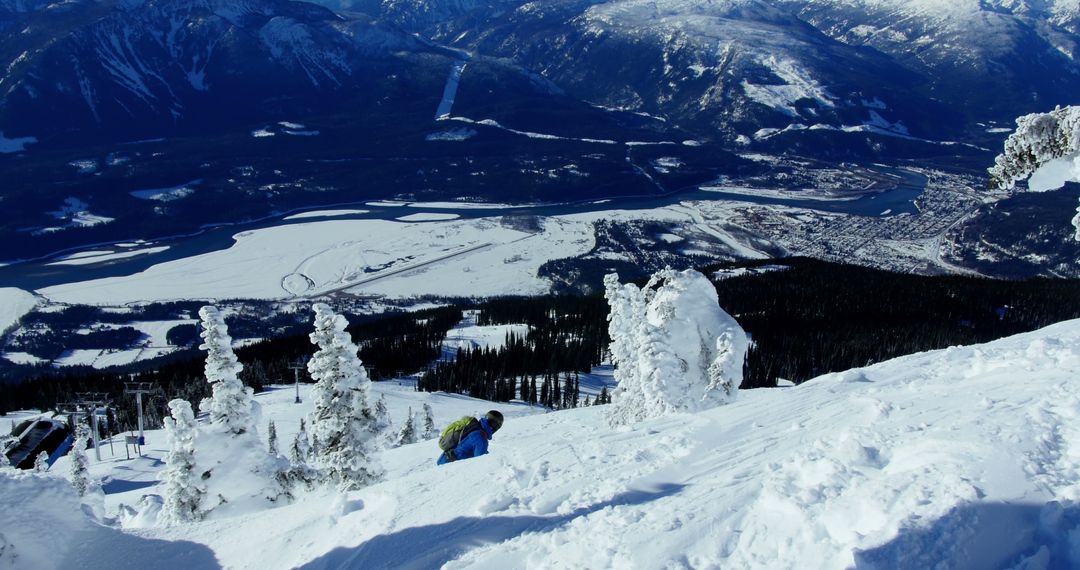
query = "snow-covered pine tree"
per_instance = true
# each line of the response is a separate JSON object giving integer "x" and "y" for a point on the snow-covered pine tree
{"x": 626, "y": 316}
{"x": 231, "y": 402}
{"x": 382, "y": 415}
{"x": 429, "y": 422}
{"x": 299, "y": 454}
{"x": 184, "y": 490}
{"x": 41, "y": 462}
{"x": 684, "y": 352}
{"x": 342, "y": 420}
{"x": 301, "y": 447}
{"x": 80, "y": 463}
{"x": 407, "y": 434}
{"x": 271, "y": 439}
{"x": 235, "y": 467}
{"x": 1045, "y": 151}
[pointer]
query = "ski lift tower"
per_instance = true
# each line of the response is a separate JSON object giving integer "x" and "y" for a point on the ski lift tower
{"x": 296, "y": 366}
{"x": 91, "y": 402}
{"x": 138, "y": 389}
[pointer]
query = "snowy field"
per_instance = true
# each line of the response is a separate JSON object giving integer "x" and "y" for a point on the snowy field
{"x": 154, "y": 343}
{"x": 468, "y": 335}
{"x": 959, "y": 458}
{"x": 14, "y": 303}
{"x": 429, "y": 255}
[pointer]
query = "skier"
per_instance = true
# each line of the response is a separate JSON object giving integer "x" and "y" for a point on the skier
{"x": 468, "y": 437}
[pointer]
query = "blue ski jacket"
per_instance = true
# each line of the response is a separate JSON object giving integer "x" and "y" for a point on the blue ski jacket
{"x": 474, "y": 444}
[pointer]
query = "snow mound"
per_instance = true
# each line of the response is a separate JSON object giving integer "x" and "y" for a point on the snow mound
{"x": 45, "y": 528}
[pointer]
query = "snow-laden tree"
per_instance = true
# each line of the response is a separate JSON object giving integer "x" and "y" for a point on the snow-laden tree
{"x": 300, "y": 469}
{"x": 678, "y": 352}
{"x": 407, "y": 434}
{"x": 238, "y": 472}
{"x": 301, "y": 446}
{"x": 382, "y": 415}
{"x": 342, "y": 420}
{"x": 271, "y": 438}
{"x": 230, "y": 402}
{"x": 41, "y": 462}
{"x": 1045, "y": 151}
{"x": 429, "y": 422}
{"x": 80, "y": 463}
{"x": 184, "y": 490}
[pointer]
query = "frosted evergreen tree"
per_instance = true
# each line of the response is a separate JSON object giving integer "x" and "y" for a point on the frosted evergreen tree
{"x": 382, "y": 414}
{"x": 603, "y": 398}
{"x": 342, "y": 420}
{"x": 429, "y": 422}
{"x": 679, "y": 351}
{"x": 41, "y": 462}
{"x": 626, "y": 321}
{"x": 230, "y": 402}
{"x": 271, "y": 438}
{"x": 80, "y": 463}
{"x": 184, "y": 492}
{"x": 301, "y": 447}
{"x": 299, "y": 455}
{"x": 407, "y": 434}
{"x": 1045, "y": 151}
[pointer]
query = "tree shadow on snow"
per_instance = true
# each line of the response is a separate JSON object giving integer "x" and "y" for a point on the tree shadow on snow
{"x": 119, "y": 550}
{"x": 984, "y": 536}
{"x": 113, "y": 486}
{"x": 432, "y": 546}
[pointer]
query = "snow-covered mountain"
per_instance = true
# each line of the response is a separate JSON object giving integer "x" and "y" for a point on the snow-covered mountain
{"x": 930, "y": 69}
{"x": 960, "y": 458}
{"x": 146, "y": 67}
{"x": 817, "y": 77}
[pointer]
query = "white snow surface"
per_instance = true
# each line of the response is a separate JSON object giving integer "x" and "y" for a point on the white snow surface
{"x": 324, "y": 214}
{"x": 458, "y": 257}
{"x": 92, "y": 257}
{"x": 428, "y": 217}
{"x": 468, "y": 335}
{"x": 14, "y": 304}
{"x": 958, "y": 458}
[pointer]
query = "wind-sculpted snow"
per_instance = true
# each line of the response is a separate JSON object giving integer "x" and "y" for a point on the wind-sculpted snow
{"x": 675, "y": 349}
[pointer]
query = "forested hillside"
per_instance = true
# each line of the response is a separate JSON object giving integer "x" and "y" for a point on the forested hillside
{"x": 805, "y": 318}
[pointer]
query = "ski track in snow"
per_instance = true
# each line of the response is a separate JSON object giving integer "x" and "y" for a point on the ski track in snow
{"x": 968, "y": 456}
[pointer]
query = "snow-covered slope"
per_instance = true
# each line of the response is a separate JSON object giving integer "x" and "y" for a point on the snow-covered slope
{"x": 14, "y": 303}
{"x": 134, "y": 67}
{"x": 932, "y": 68}
{"x": 965, "y": 457}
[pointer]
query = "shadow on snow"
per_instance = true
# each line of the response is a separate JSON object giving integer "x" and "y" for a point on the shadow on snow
{"x": 432, "y": 546}
{"x": 985, "y": 535}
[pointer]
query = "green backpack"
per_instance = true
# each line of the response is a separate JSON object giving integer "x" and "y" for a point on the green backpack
{"x": 455, "y": 432}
